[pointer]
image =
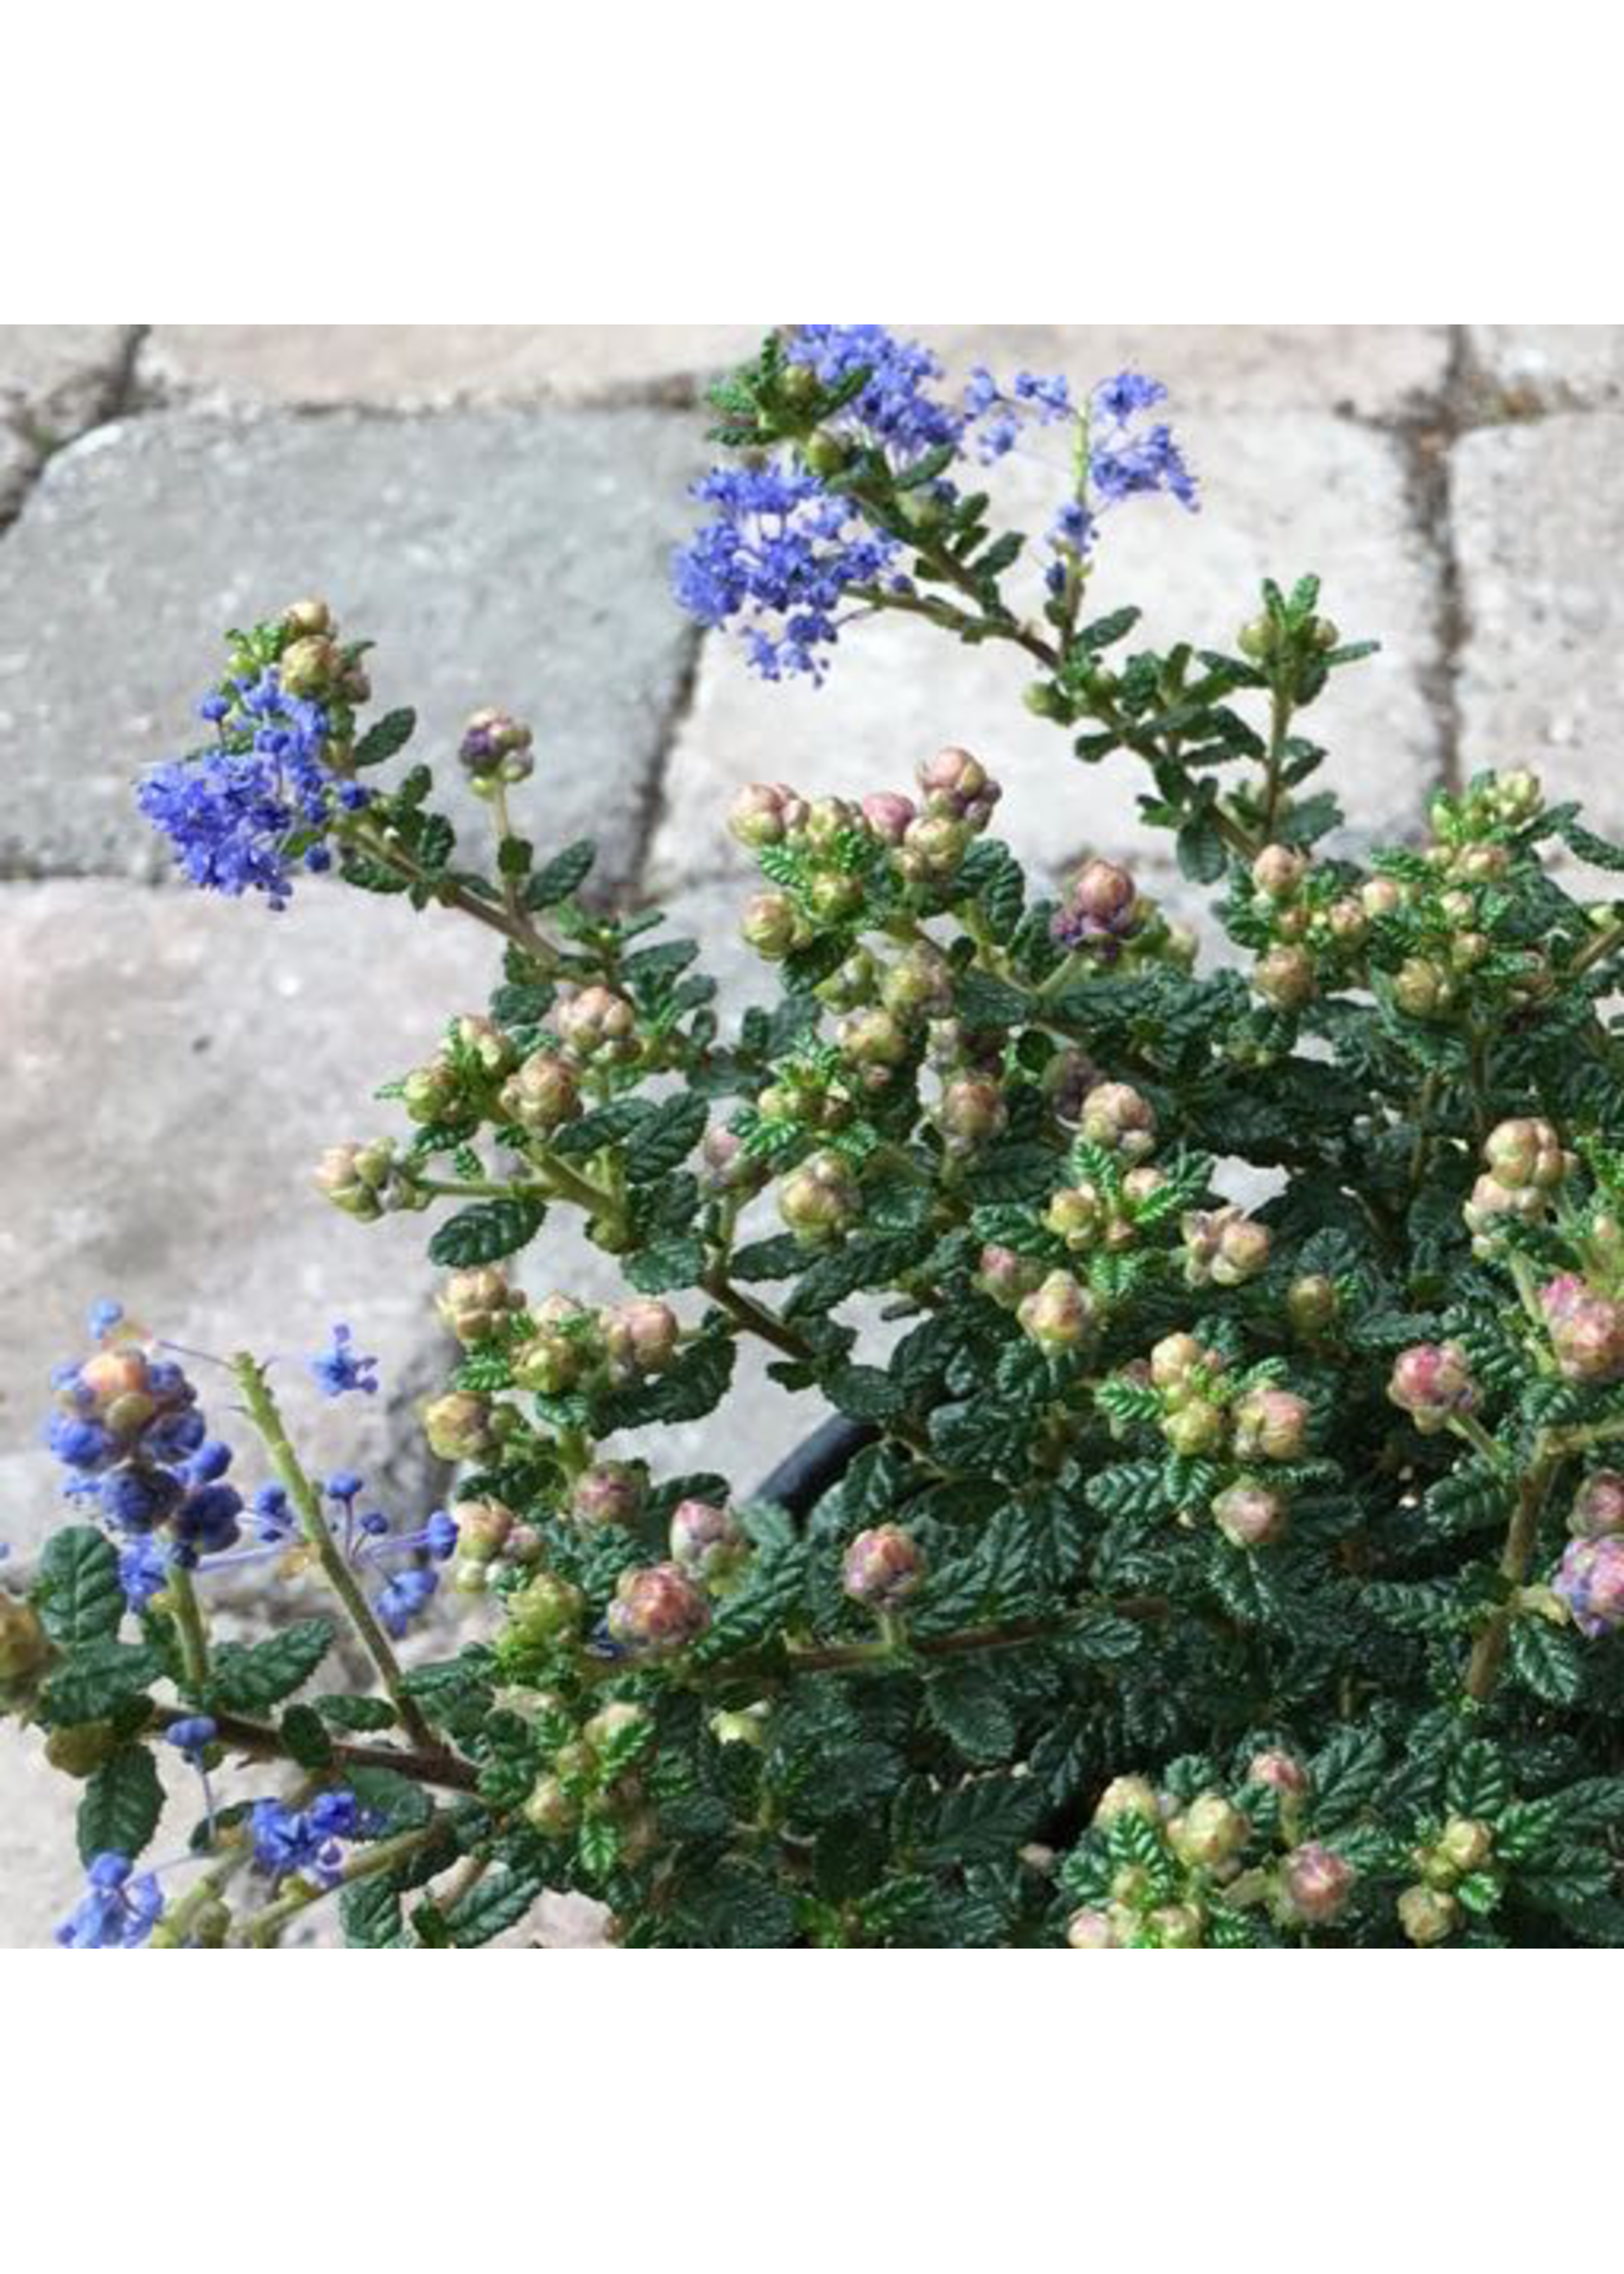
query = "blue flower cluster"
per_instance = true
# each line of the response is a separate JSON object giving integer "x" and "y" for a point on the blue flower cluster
{"x": 306, "y": 1839}
{"x": 118, "y": 1912}
{"x": 784, "y": 553}
{"x": 229, "y": 811}
{"x": 129, "y": 1433}
{"x": 129, "y": 1430}
{"x": 778, "y": 558}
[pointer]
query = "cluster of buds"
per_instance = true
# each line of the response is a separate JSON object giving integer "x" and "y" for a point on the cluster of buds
{"x": 1431, "y": 1911}
{"x": 882, "y": 1568}
{"x": 368, "y": 1180}
{"x": 480, "y": 1305}
{"x": 1597, "y": 1511}
{"x": 1590, "y": 1580}
{"x": 1431, "y": 1381}
{"x": 1086, "y": 1217}
{"x": 592, "y": 1773}
{"x": 1461, "y": 821}
{"x": 1525, "y": 1166}
{"x": 544, "y": 1613}
{"x": 562, "y": 1345}
{"x": 1120, "y": 1119}
{"x": 1101, "y": 912}
{"x": 610, "y": 1493}
{"x": 971, "y": 1114}
{"x": 821, "y": 1201}
{"x": 462, "y": 1425}
{"x": 1313, "y": 1886}
{"x": 1282, "y": 1773}
{"x": 1586, "y": 1329}
{"x": 1209, "y": 1836}
{"x": 1311, "y": 922}
{"x": 490, "y": 1536}
{"x": 709, "y": 1544}
{"x": 597, "y": 1027}
{"x": 1059, "y": 1313}
{"x": 544, "y": 1094}
{"x": 1205, "y": 1414}
{"x": 727, "y": 1170}
{"x": 658, "y": 1610}
{"x": 456, "y": 1088}
{"x": 1221, "y": 1248}
{"x": 495, "y": 751}
{"x": 314, "y": 664}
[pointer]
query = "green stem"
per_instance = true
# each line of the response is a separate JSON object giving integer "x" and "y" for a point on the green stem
{"x": 264, "y": 1926}
{"x": 1280, "y": 720}
{"x": 1592, "y": 951}
{"x": 266, "y": 1418}
{"x": 189, "y": 1621}
{"x": 1489, "y": 1650}
{"x": 372, "y": 841}
{"x": 569, "y": 1185}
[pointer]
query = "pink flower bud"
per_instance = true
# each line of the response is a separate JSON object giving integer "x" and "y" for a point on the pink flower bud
{"x": 882, "y": 1567}
{"x": 1248, "y": 1515}
{"x": 1315, "y": 1885}
{"x": 1586, "y": 1330}
{"x": 1272, "y": 1424}
{"x": 598, "y": 1024}
{"x": 971, "y": 1112}
{"x": 958, "y": 787}
{"x": 1005, "y": 1276}
{"x": 821, "y": 1201}
{"x": 725, "y": 1166}
{"x": 610, "y": 1493}
{"x": 766, "y": 813}
{"x": 1060, "y": 1315}
{"x": 1431, "y": 1381}
{"x": 707, "y": 1541}
{"x": 657, "y": 1610}
{"x": 1118, "y": 1118}
{"x": 1091, "y": 1930}
{"x": 1281, "y": 1772}
{"x": 1278, "y": 870}
{"x": 496, "y": 747}
{"x": 888, "y": 813}
{"x": 544, "y": 1094}
{"x": 640, "y": 1336}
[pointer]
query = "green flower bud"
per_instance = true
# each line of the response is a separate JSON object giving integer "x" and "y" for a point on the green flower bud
{"x": 1382, "y": 895}
{"x": 546, "y": 1609}
{"x": 772, "y": 924}
{"x": 1278, "y": 871}
{"x": 1427, "y": 1915}
{"x": 834, "y": 895}
{"x": 549, "y": 1809}
{"x": 1421, "y": 990}
{"x": 598, "y": 1026}
{"x": 611, "y": 1723}
{"x": 544, "y": 1094}
{"x": 1221, "y": 1248}
{"x": 1119, "y": 1118}
{"x": 1194, "y": 1429}
{"x": 821, "y": 1201}
{"x": 458, "y": 1427}
{"x": 918, "y": 986}
{"x": 1465, "y": 1843}
{"x": 78, "y": 1751}
{"x": 872, "y": 1041}
{"x": 1175, "y": 1927}
{"x": 1128, "y": 1797}
{"x": 1210, "y": 1832}
{"x": 1312, "y": 1304}
{"x": 932, "y": 848}
{"x": 853, "y": 986}
{"x": 829, "y": 819}
{"x": 971, "y": 1112}
{"x": 1059, "y": 1315}
{"x": 1285, "y": 978}
{"x": 1272, "y": 1424}
{"x": 1177, "y": 1358}
{"x": 1255, "y": 639}
{"x": 435, "y": 1093}
{"x": 1516, "y": 797}
{"x": 825, "y": 455}
{"x": 477, "y": 1304}
{"x": 1005, "y": 1276}
{"x": 766, "y": 813}
{"x": 311, "y": 667}
{"x": 309, "y": 619}
{"x": 1078, "y": 1215}
{"x": 1347, "y": 922}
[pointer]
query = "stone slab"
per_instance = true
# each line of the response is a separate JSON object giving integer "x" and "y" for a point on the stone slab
{"x": 1528, "y": 367}
{"x": 58, "y": 378}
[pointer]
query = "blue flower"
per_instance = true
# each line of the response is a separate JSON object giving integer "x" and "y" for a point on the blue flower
{"x": 893, "y": 410}
{"x": 137, "y": 1499}
{"x": 143, "y": 1572}
{"x": 192, "y": 1737}
{"x": 338, "y": 1367}
{"x": 104, "y": 1316}
{"x": 229, "y": 811}
{"x": 1130, "y": 392}
{"x": 405, "y": 1596}
{"x": 117, "y": 1912}
{"x": 999, "y": 417}
{"x": 290, "y": 1840}
{"x": 274, "y": 1518}
{"x": 778, "y": 558}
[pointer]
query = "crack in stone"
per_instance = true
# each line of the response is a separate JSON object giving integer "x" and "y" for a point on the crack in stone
{"x": 653, "y": 802}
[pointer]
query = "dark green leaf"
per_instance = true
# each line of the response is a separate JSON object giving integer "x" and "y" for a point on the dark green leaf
{"x": 78, "y": 1591}
{"x": 485, "y": 1232}
{"x": 247, "y": 1678}
{"x": 122, "y": 1804}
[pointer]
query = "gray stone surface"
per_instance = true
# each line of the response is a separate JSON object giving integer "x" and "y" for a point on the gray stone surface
{"x": 1550, "y": 365}
{"x": 495, "y": 556}
{"x": 56, "y": 378}
{"x": 414, "y": 365}
{"x": 1373, "y": 369}
{"x": 1539, "y": 513}
{"x": 1280, "y": 496}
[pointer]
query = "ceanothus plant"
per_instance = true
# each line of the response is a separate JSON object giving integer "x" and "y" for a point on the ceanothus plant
{"x": 1202, "y": 1570}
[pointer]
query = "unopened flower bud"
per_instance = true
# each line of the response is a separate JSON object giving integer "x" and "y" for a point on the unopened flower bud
{"x": 1590, "y": 1580}
{"x": 1284, "y": 977}
{"x": 1090, "y": 1930}
{"x": 356, "y": 1178}
{"x": 971, "y": 1112}
{"x": 1525, "y": 1153}
{"x": 458, "y": 1427}
{"x": 821, "y": 1201}
{"x": 1492, "y": 1207}
{"x": 1347, "y": 922}
{"x": 766, "y": 813}
{"x": 1465, "y": 1843}
{"x": 1128, "y": 1797}
{"x": 1278, "y": 870}
{"x": 477, "y": 1304}
{"x": 1078, "y": 1214}
{"x": 1586, "y": 1330}
{"x": 79, "y": 1750}
{"x": 725, "y": 1166}
{"x": 1272, "y": 1424}
{"x": 1249, "y": 1514}
{"x": 435, "y": 1093}
{"x": 1194, "y": 1429}
{"x": 546, "y": 1609}
{"x": 1597, "y": 1511}
{"x": 1517, "y": 796}
{"x": 657, "y": 1610}
{"x": 1119, "y": 1118}
{"x": 309, "y": 619}
{"x": 932, "y": 848}
{"x": 1315, "y": 1885}
{"x": 1209, "y": 1833}
{"x": 1313, "y": 1303}
{"x": 640, "y": 1337}
{"x": 1431, "y": 1382}
{"x": 544, "y": 1094}
{"x": 597, "y": 1023}
{"x": 882, "y": 1567}
{"x": 1060, "y": 1315}
{"x": 1223, "y": 1248}
{"x": 872, "y": 1041}
{"x": 550, "y": 1810}
{"x": 309, "y": 667}
{"x": 706, "y": 1542}
{"x": 1421, "y": 990}
{"x": 1005, "y": 1276}
{"x": 835, "y": 894}
{"x": 496, "y": 747}
{"x": 888, "y": 814}
{"x": 1280, "y": 1772}
{"x": 1176, "y": 1926}
{"x": 1067, "y": 1080}
{"x": 1427, "y": 1915}
{"x": 1382, "y": 895}
{"x": 958, "y": 787}
{"x": 918, "y": 986}
{"x": 610, "y": 1493}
